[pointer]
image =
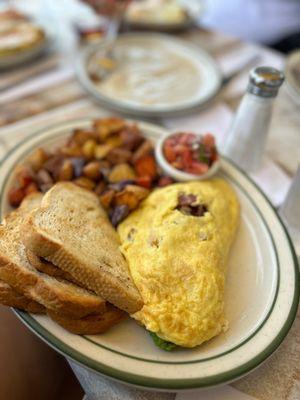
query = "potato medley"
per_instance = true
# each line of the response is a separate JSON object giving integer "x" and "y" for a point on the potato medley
{"x": 111, "y": 158}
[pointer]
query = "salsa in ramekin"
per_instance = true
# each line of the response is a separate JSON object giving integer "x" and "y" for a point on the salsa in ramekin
{"x": 187, "y": 152}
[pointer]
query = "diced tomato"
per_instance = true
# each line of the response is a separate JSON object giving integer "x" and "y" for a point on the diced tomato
{"x": 187, "y": 158}
{"x": 208, "y": 140}
{"x": 169, "y": 153}
{"x": 179, "y": 148}
{"x": 198, "y": 168}
{"x": 144, "y": 181}
{"x": 146, "y": 166}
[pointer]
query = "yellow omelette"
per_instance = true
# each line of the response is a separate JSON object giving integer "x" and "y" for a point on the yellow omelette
{"x": 177, "y": 244}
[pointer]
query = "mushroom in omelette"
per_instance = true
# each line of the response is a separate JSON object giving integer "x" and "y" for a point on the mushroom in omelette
{"x": 177, "y": 244}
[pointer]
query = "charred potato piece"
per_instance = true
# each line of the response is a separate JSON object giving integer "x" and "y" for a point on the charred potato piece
{"x": 101, "y": 151}
{"x": 15, "y": 196}
{"x": 71, "y": 151}
{"x": 99, "y": 189}
{"x": 143, "y": 150}
{"x": 132, "y": 195}
{"x": 66, "y": 171}
{"x": 37, "y": 159}
{"x": 106, "y": 198}
{"x": 80, "y": 136}
{"x": 24, "y": 175}
{"x": 119, "y": 155}
{"x": 88, "y": 149}
{"x": 121, "y": 172}
{"x": 43, "y": 177}
{"x": 85, "y": 183}
{"x": 92, "y": 170}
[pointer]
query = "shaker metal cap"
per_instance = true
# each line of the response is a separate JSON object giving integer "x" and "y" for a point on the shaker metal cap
{"x": 265, "y": 81}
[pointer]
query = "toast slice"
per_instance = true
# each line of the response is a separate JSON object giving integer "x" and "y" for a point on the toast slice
{"x": 42, "y": 265}
{"x": 58, "y": 295}
{"x": 91, "y": 324}
{"x": 72, "y": 230}
{"x": 11, "y": 298}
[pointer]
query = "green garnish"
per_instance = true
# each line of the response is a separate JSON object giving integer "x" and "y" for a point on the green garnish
{"x": 202, "y": 155}
{"x": 161, "y": 343}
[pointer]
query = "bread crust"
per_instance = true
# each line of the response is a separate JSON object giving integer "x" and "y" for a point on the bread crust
{"x": 11, "y": 298}
{"x": 91, "y": 324}
{"x": 38, "y": 240}
{"x": 58, "y": 295}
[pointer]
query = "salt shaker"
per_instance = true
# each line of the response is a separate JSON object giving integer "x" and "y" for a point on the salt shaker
{"x": 247, "y": 135}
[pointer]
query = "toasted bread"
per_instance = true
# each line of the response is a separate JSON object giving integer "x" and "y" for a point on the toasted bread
{"x": 9, "y": 297}
{"x": 91, "y": 324}
{"x": 71, "y": 230}
{"x": 48, "y": 268}
{"x": 58, "y": 295}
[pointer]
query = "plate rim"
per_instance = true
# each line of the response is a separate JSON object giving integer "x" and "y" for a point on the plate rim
{"x": 154, "y": 383}
{"x": 132, "y": 110}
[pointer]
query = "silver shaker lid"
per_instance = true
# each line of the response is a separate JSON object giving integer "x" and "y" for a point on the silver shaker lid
{"x": 265, "y": 81}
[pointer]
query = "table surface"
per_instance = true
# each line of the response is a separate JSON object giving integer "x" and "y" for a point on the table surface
{"x": 55, "y": 96}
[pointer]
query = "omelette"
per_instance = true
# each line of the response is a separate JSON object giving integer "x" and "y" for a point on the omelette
{"x": 177, "y": 244}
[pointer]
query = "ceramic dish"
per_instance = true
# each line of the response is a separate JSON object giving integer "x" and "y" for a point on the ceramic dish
{"x": 177, "y": 174}
{"x": 156, "y": 75}
{"x": 23, "y": 56}
{"x": 261, "y": 299}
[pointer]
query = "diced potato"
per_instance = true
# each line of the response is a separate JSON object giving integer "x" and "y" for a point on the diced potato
{"x": 114, "y": 141}
{"x": 66, "y": 171}
{"x": 140, "y": 192}
{"x": 92, "y": 170}
{"x": 102, "y": 132}
{"x": 101, "y": 186}
{"x": 88, "y": 149}
{"x": 106, "y": 198}
{"x": 80, "y": 136}
{"x": 101, "y": 151}
{"x": 131, "y": 196}
{"x": 71, "y": 151}
{"x": 119, "y": 155}
{"x": 31, "y": 188}
{"x": 24, "y": 175}
{"x": 15, "y": 196}
{"x": 107, "y": 126}
{"x": 126, "y": 198}
{"x": 121, "y": 172}
{"x": 144, "y": 149}
{"x": 43, "y": 177}
{"x": 85, "y": 183}
{"x": 37, "y": 159}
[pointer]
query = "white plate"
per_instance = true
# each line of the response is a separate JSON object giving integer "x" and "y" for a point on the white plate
{"x": 205, "y": 83}
{"x": 23, "y": 56}
{"x": 262, "y": 294}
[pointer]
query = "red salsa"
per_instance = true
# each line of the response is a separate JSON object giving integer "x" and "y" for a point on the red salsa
{"x": 191, "y": 153}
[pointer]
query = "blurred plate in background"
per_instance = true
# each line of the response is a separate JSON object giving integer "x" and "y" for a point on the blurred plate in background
{"x": 155, "y": 75}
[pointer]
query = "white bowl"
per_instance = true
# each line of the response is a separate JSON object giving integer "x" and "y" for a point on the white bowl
{"x": 176, "y": 173}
